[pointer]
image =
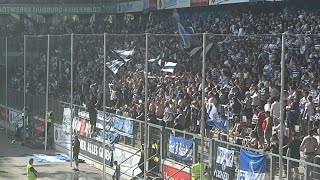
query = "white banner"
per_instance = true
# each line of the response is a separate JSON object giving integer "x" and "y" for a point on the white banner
{"x": 131, "y": 163}
{"x": 218, "y": 2}
{"x": 173, "y": 4}
{"x": 15, "y": 117}
{"x": 224, "y": 164}
{"x": 61, "y": 136}
{"x": 135, "y": 6}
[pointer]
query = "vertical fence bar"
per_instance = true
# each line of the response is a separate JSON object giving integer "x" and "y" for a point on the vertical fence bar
{"x": 7, "y": 115}
{"x": 47, "y": 97}
{"x": 71, "y": 131}
{"x": 271, "y": 167}
{"x": 104, "y": 105}
{"x": 282, "y": 106}
{"x": 202, "y": 105}
{"x": 145, "y": 110}
{"x": 24, "y": 87}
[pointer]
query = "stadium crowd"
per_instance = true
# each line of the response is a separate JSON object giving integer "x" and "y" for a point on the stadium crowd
{"x": 242, "y": 72}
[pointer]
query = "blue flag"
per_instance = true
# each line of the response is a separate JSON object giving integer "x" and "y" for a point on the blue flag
{"x": 252, "y": 166}
{"x": 180, "y": 148}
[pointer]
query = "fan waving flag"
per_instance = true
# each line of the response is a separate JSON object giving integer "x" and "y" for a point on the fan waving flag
{"x": 213, "y": 119}
{"x": 114, "y": 65}
{"x": 158, "y": 59}
{"x": 125, "y": 54}
{"x": 183, "y": 32}
{"x": 252, "y": 166}
{"x": 169, "y": 67}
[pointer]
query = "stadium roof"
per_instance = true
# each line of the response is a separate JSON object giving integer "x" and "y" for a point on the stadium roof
{"x": 60, "y": 1}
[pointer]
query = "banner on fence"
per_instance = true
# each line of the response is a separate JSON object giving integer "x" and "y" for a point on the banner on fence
{"x": 129, "y": 161}
{"x": 224, "y": 164}
{"x": 94, "y": 150}
{"x": 16, "y": 118}
{"x": 57, "y": 8}
{"x": 3, "y": 113}
{"x": 173, "y": 4}
{"x": 149, "y": 5}
{"x": 39, "y": 124}
{"x": 62, "y": 137}
{"x": 174, "y": 173}
{"x": 132, "y": 6}
{"x": 66, "y": 121}
{"x": 195, "y": 3}
{"x": 218, "y": 2}
{"x": 123, "y": 126}
{"x": 252, "y": 166}
{"x": 180, "y": 148}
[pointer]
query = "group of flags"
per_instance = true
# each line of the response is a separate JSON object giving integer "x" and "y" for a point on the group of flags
{"x": 185, "y": 43}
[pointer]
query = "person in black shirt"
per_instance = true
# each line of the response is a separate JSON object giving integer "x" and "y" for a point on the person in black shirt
{"x": 294, "y": 152}
{"x": 76, "y": 150}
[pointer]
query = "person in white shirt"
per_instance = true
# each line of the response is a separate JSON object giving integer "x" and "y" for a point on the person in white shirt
{"x": 275, "y": 111}
{"x": 309, "y": 112}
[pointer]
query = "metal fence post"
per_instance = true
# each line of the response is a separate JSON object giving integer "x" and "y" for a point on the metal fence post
{"x": 203, "y": 106}
{"x": 271, "y": 167}
{"x": 104, "y": 105}
{"x": 145, "y": 109}
{"x": 282, "y": 105}
{"x": 71, "y": 71}
{"x": 24, "y": 87}
{"x": 47, "y": 97}
{"x": 306, "y": 175}
{"x": 7, "y": 115}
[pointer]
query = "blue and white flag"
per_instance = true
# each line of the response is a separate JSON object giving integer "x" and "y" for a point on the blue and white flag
{"x": 158, "y": 59}
{"x": 180, "y": 148}
{"x": 169, "y": 67}
{"x": 213, "y": 119}
{"x": 124, "y": 54}
{"x": 114, "y": 65}
{"x": 252, "y": 166}
{"x": 123, "y": 126}
{"x": 184, "y": 34}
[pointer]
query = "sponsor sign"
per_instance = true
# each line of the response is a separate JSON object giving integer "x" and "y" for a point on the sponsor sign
{"x": 218, "y": 2}
{"x": 133, "y": 6}
{"x": 129, "y": 165}
{"x": 62, "y": 136}
{"x": 169, "y": 171}
{"x": 57, "y": 8}
{"x": 149, "y": 5}
{"x": 224, "y": 164}
{"x": 172, "y": 4}
{"x": 94, "y": 150}
{"x": 39, "y": 125}
{"x": 195, "y": 3}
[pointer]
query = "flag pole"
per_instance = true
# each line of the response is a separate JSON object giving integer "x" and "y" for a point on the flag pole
{"x": 104, "y": 107}
{"x": 145, "y": 110}
{"x": 203, "y": 105}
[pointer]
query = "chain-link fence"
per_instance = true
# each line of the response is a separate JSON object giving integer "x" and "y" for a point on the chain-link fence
{"x": 241, "y": 78}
